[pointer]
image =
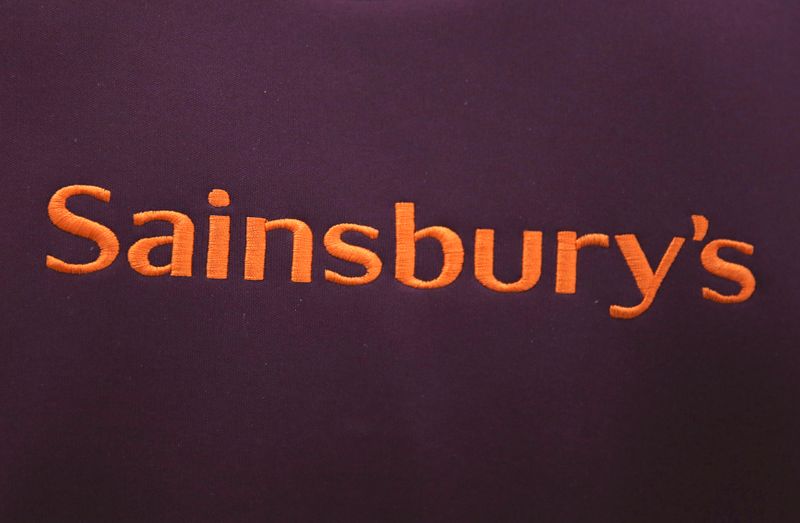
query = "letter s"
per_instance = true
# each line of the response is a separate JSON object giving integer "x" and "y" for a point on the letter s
{"x": 62, "y": 218}
{"x": 730, "y": 271}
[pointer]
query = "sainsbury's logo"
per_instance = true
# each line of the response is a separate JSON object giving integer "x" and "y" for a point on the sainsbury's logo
{"x": 569, "y": 243}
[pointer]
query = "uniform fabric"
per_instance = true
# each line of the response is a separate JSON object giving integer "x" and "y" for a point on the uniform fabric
{"x": 133, "y": 398}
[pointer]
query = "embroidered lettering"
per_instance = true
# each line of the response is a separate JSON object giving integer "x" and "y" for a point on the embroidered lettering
{"x": 568, "y": 243}
{"x": 338, "y": 248}
{"x": 531, "y": 261}
{"x": 407, "y": 237}
{"x": 65, "y": 220}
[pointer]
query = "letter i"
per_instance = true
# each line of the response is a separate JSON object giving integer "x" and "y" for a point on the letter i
{"x": 219, "y": 233}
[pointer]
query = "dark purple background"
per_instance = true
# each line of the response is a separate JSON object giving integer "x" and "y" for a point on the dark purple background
{"x": 132, "y": 399}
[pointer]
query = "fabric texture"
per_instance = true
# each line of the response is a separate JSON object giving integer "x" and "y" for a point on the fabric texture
{"x": 127, "y": 398}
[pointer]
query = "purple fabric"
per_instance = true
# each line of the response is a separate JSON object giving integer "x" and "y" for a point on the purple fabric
{"x": 126, "y": 398}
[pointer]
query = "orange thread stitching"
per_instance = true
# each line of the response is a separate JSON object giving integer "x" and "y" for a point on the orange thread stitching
{"x": 82, "y": 227}
{"x": 730, "y": 271}
{"x": 406, "y": 238}
{"x": 567, "y": 257}
{"x": 352, "y": 253}
{"x": 646, "y": 280}
{"x": 219, "y": 233}
{"x": 139, "y": 256}
{"x": 256, "y": 247}
{"x": 531, "y": 261}
{"x": 219, "y": 198}
{"x": 700, "y": 224}
{"x": 219, "y": 236}
{"x": 182, "y": 241}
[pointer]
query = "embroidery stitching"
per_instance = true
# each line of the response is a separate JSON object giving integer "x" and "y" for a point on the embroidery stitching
{"x": 82, "y": 227}
{"x": 219, "y": 237}
{"x": 407, "y": 238}
{"x": 182, "y": 242}
{"x": 352, "y": 253}
{"x": 647, "y": 281}
{"x": 740, "y": 274}
{"x": 256, "y": 231}
{"x": 531, "y": 261}
{"x": 700, "y": 224}
{"x": 256, "y": 247}
{"x": 567, "y": 258}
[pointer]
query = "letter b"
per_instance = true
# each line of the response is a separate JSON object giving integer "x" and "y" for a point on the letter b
{"x": 407, "y": 237}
